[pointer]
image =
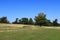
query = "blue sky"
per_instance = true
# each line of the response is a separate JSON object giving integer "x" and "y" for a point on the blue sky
{"x": 29, "y": 8}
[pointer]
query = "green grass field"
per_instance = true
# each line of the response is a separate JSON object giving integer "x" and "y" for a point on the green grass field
{"x": 29, "y": 34}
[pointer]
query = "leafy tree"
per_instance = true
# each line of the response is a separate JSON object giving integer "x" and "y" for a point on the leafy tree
{"x": 49, "y": 23}
{"x": 41, "y": 20}
{"x": 30, "y": 21}
{"x": 23, "y": 21}
{"x": 4, "y": 20}
{"x": 55, "y": 22}
{"x": 20, "y": 22}
{"x": 16, "y": 21}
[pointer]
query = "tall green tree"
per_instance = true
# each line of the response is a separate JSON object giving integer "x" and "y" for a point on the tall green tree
{"x": 23, "y": 21}
{"x": 30, "y": 21}
{"x": 4, "y": 20}
{"x": 49, "y": 23}
{"x": 20, "y": 21}
{"x": 41, "y": 19}
{"x": 55, "y": 22}
{"x": 16, "y": 21}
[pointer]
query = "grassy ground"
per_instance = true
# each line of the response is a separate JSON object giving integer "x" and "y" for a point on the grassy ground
{"x": 29, "y": 33}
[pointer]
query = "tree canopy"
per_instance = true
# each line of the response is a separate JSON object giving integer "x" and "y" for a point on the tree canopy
{"x": 4, "y": 20}
{"x": 40, "y": 19}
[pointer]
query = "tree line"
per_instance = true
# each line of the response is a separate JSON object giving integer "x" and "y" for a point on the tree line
{"x": 40, "y": 20}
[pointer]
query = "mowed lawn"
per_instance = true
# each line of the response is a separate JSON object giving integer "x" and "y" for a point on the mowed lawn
{"x": 31, "y": 34}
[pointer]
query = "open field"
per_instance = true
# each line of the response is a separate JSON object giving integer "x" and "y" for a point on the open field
{"x": 28, "y": 32}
